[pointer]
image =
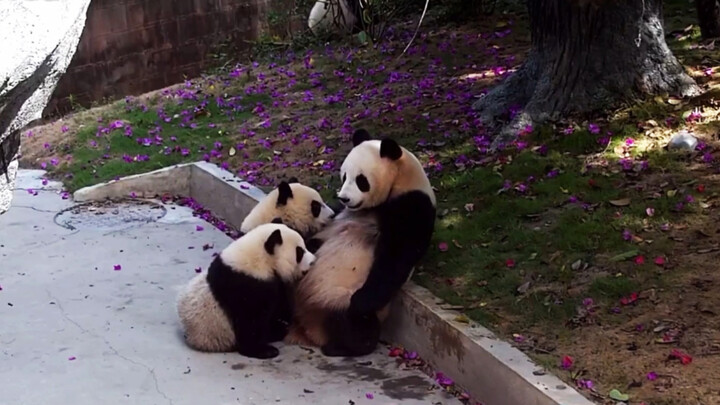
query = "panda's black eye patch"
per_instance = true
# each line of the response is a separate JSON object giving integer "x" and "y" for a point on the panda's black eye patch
{"x": 362, "y": 183}
{"x": 315, "y": 208}
{"x": 299, "y": 253}
{"x": 344, "y": 178}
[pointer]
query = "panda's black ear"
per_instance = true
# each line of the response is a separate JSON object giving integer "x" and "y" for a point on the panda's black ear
{"x": 292, "y": 180}
{"x": 275, "y": 239}
{"x": 284, "y": 193}
{"x": 390, "y": 149}
{"x": 276, "y": 220}
{"x": 360, "y": 136}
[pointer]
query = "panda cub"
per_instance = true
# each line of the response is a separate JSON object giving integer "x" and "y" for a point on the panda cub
{"x": 298, "y": 206}
{"x": 368, "y": 251}
{"x": 236, "y": 305}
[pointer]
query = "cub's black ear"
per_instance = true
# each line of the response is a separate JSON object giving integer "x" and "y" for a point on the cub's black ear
{"x": 275, "y": 239}
{"x": 292, "y": 180}
{"x": 360, "y": 136}
{"x": 276, "y": 220}
{"x": 284, "y": 193}
{"x": 390, "y": 149}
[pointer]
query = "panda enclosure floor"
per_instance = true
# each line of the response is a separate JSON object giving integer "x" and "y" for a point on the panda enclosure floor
{"x": 73, "y": 329}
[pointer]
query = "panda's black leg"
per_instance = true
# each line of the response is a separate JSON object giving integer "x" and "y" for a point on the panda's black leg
{"x": 252, "y": 338}
{"x": 283, "y": 313}
{"x": 278, "y": 330}
{"x": 262, "y": 352}
{"x": 351, "y": 335}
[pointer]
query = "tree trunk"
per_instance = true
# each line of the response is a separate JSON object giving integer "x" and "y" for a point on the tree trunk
{"x": 586, "y": 56}
{"x": 709, "y": 17}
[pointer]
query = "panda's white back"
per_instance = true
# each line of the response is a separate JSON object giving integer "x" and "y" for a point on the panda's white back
{"x": 205, "y": 325}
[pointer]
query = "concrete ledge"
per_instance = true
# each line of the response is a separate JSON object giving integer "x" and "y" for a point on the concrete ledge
{"x": 170, "y": 180}
{"x": 223, "y": 193}
{"x": 490, "y": 369}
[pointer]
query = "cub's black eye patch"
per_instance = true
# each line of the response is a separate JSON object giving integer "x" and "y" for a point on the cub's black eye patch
{"x": 315, "y": 208}
{"x": 362, "y": 183}
{"x": 344, "y": 178}
{"x": 299, "y": 253}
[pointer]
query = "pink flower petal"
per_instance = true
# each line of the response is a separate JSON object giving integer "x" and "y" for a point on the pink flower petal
{"x": 659, "y": 260}
{"x": 650, "y": 211}
{"x": 567, "y": 362}
{"x": 443, "y": 246}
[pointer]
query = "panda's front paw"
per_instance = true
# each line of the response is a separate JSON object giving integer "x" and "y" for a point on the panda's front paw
{"x": 361, "y": 303}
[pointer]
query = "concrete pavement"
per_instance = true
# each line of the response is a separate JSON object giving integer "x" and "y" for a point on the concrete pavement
{"x": 74, "y": 330}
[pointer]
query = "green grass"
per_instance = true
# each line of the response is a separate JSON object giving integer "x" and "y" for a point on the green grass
{"x": 98, "y": 159}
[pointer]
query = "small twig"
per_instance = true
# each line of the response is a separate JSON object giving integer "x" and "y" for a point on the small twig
{"x": 422, "y": 17}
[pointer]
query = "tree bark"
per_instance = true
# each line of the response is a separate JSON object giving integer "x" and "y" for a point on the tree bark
{"x": 586, "y": 56}
{"x": 709, "y": 17}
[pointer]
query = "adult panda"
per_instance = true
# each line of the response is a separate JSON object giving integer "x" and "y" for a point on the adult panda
{"x": 296, "y": 205}
{"x": 367, "y": 252}
{"x": 348, "y": 14}
{"x": 239, "y": 303}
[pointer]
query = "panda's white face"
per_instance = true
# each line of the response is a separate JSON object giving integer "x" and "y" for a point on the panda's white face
{"x": 288, "y": 252}
{"x": 367, "y": 177}
{"x": 302, "y": 207}
{"x": 269, "y": 250}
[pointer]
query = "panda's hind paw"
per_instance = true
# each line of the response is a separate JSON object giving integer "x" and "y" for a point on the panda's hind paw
{"x": 262, "y": 352}
{"x": 331, "y": 350}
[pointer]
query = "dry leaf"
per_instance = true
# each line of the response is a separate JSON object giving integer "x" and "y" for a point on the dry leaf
{"x": 462, "y": 319}
{"x": 623, "y": 202}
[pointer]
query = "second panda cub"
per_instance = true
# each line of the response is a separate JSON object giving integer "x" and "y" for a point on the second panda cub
{"x": 296, "y": 205}
{"x": 236, "y": 306}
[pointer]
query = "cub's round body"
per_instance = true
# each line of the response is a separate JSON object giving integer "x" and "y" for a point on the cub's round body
{"x": 241, "y": 301}
{"x": 368, "y": 251}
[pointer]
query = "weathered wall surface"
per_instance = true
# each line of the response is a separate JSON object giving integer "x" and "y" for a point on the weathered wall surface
{"x": 133, "y": 46}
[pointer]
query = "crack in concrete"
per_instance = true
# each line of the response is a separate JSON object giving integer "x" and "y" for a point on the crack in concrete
{"x": 54, "y": 190}
{"x": 46, "y": 244}
{"x": 111, "y": 347}
{"x": 33, "y": 208}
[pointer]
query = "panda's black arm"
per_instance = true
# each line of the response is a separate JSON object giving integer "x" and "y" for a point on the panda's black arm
{"x": 406, "y": 230}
